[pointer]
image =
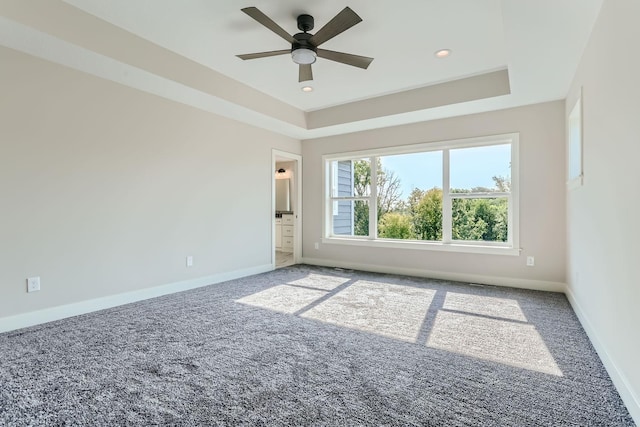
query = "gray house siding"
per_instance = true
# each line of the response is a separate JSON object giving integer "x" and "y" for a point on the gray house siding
{"x": 343, "y": 221}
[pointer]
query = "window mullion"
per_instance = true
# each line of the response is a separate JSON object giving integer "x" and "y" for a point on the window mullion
{"x": 510, "y": 221}
{"x": 330, "y": 182}
{"x": 495, "y": 195}
{"x": 446, "y": 199}
{"x": 333, "y": 189}
{"x": 373, "y": 201}
{"x": 353, "y": 224}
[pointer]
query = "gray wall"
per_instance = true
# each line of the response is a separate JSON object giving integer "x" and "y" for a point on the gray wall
{"x": 105, "y": 189}
{"x": 542, "y": 198}
{"x": 603, "y": 228}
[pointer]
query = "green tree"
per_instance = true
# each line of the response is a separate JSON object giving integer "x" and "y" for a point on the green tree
{"x": 425, "y": 208}
{"x": 361, "y": 177}
{"x": 360, "y": 218}
{"x": 394, "y": 225}
{"x": 480, "y": 219}
{"x": 388, "y": 190}
{"x": 420, "y": 216}
{"x": 465, "y": 224}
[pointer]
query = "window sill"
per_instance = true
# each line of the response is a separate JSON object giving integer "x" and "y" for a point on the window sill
{"x": 429, "y": 246}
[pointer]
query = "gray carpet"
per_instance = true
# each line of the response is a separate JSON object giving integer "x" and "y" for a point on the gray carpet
{"x": 313, "y": 346}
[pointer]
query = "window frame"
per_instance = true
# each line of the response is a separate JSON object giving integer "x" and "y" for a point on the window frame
{"x": 510, "y": 247}
{"x": 575, "y": 145}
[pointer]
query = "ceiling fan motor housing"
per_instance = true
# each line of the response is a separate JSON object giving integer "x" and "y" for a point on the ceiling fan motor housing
{"x": 302, "y": 42}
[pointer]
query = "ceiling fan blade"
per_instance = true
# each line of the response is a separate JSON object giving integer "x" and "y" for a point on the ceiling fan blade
{"x": 344, "y": 20}
{"x": 305, "y": 73}
{"x": 255, "y": 13}
{"x": 263, "y": 54}
{"x": 345, "y": 58}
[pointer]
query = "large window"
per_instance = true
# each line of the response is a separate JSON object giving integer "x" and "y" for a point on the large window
{"x": 455, "y": 195}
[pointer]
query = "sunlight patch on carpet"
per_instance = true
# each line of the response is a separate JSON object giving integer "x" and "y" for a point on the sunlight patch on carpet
{"x": 283, "y": 298}
{"x": 487, "y": 306}
{"x": 381, "y": 308}
{"x": 320, "y": 281}
{"x": 511, "y": 343}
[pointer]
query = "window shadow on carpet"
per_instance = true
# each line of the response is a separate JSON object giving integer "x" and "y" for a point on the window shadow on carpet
{"x": 468, "y": 320}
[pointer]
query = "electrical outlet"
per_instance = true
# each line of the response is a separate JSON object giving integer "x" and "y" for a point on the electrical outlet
{"x": 189, "y": 261}
{"x": 33, "y": 284}
{"x": 317, "y": 245}
{"x": 531, "y": 261}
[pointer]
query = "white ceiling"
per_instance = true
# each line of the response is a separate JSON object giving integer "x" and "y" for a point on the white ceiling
{"x": 539, "y": 42}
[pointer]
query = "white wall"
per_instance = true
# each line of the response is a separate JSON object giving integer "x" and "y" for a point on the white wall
{"x": 603, "y": 225}
{"x": 542, "y": 200}
{"x": 105, "y": 189}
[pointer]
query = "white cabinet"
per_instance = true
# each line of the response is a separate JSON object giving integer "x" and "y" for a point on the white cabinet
{"x": 287, "y": 219}
{"x": 287, "y": 241}
{"x": 285, "y": 233}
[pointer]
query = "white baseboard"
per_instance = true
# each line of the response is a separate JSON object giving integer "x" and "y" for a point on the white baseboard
{"x": 538, "y": 285}
{"x": 629, "y": 397}
{"x": 60, "y": 312}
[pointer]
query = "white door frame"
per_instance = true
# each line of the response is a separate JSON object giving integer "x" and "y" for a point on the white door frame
{"x": 297, "y": 209}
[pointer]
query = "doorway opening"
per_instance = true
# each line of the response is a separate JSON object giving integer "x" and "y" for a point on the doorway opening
{"x": 286, "y": 209}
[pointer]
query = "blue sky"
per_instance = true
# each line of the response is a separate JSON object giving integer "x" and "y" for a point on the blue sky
{"x": 470, "y": 167}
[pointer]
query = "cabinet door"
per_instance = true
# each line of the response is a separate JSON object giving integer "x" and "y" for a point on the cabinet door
{"x": 287, "y": 243}
{"x": 287, "y": 231}
{"x": 287, "y": 219}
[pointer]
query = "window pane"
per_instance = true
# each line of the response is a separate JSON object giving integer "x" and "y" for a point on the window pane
{"x": 421, "y": 171}
{"x": 350, "y": 218}
{"x": 351, "y": 178}
{"x": 481, "y": 169}
{"x": 419, "y": 219}
{"x": 480, "y": 219}
{"x": 410, "y": 196}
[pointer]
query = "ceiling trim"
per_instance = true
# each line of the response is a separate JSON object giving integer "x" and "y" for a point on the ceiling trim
{"x": 70, "y": 24}
{"x": 483, "y": 86}
{"x": 56, "y": 31}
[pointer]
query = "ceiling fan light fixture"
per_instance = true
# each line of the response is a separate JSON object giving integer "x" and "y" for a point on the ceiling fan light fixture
{"x": 303, "y": 56}
{"x": 307, "y": 89}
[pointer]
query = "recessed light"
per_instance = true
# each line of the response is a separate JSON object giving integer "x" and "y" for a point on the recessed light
{"x": 442, "y": 53}
{"x": 307, "y": 89}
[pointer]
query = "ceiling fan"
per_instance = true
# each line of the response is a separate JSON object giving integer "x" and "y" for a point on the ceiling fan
{"x": 304, "y": 46}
